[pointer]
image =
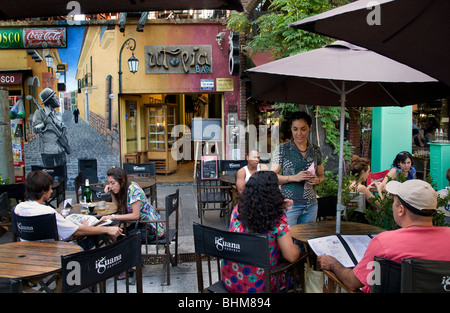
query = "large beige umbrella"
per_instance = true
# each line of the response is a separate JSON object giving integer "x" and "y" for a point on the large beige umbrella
{"x": 346, "y": 75}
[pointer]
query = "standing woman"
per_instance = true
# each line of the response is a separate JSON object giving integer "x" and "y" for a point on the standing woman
{"x": 130, "y": 200}
{"x": 298, "y": 164}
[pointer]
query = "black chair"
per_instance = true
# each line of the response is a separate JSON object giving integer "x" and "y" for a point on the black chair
{"x": 32, "y": 228}
{"x": 326, "y": 208}
{"x": 212, "y": 195}
{"x": 98, "y": 193}
{"x": 144, "y": 170}
{"x": 249, "y": 249}
{"x": 59, "y": 190}
{"x": 9, "y": 285}
{"x": 425, "y": 276}
{"x": 386, "y": 276}
{"x": 88, "y": 268}
{"x": 232, "y": 166}
{"x": 15, "y": 191}
{"x": 152, "y": 243}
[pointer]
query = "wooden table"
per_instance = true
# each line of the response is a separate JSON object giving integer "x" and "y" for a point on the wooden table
{"x": 111, "y": 208}
{"x": 229, "y": 179}
{"x": 305, "y": 231}
{"x": 32, "y": 259}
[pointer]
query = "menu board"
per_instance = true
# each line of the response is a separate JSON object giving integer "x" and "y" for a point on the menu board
{"x": 209, "y": 168}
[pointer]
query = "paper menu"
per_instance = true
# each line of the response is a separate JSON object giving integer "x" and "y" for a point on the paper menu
{"x": 312, "y": 170}
{"x": 347, "y": 249}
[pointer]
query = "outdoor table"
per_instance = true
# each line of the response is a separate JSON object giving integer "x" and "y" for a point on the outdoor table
{"x": 229, "y": 179}
{"x": 111, "y": 208}
{"x": 303, "y": 232}
{"x": 26, "y": 260}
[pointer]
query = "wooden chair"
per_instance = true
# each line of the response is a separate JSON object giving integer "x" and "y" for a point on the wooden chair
{"x": 88, "y": 268}
{"x": 331, "y": 284}
{"x": 249, "y": 249}
{"x": 59, "y": 192}
{"x": 152, "y": 244}
{"x": 144, "y": 170}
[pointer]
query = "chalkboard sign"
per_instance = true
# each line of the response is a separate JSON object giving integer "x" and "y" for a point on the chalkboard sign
{"x": 209, "y": 168}
{"x": 206, "y": 129}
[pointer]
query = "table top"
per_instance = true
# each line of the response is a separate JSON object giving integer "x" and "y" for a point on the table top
{"x": 28, "y": 259}
{"x": 305, "y": 231}
{"x": 111, "y": 208}
{"x": 228, "y": 178}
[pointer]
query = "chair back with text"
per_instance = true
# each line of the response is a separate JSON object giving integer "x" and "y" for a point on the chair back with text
{"x": 250, "y": 249}
{"x": 32, "y": 228}
{"x": 98, "y": 194}
{"x": 376, "y": 177}
{"x": 425, "y": 276}
{"x": 386, "y": 276}
{"x": 232, "y": 166}
{"x": 90, "y": 267}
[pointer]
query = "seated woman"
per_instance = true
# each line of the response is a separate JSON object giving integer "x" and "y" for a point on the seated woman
{"x": 130, "y": 200}
{"x": 403, "y": 163}
{"x": 260, "y": 210}
{"x": 359, "y": 169}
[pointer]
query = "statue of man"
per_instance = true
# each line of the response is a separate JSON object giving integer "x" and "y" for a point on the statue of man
{"x": 48, "y": 124}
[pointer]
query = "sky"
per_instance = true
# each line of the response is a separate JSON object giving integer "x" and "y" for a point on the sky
{"x": 71, "y": 53}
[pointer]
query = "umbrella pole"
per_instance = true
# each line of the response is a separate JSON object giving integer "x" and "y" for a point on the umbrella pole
{"x": 341, "y": 160}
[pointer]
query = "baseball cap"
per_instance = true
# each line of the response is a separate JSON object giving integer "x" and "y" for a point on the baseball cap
{"x": 416, "y": 195}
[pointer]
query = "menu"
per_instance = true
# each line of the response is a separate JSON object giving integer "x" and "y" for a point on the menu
{"x": 347, "y": 249}
{"x": 209, "y": 167}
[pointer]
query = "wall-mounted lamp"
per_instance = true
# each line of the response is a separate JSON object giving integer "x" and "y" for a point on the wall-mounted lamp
{"x": 219, "y": 38}
{"x": 49, "y": 61}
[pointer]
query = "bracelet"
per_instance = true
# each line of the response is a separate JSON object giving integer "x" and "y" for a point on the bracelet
{"x": 113, "y": 216}
{"x": 287, "y": 179}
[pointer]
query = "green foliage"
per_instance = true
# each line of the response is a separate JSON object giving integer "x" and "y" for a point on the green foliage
{"x": 3, "y": 181}
{"x": 384, "y": 218}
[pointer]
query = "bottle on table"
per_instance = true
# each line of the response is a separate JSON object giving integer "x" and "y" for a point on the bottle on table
{"x": 87, "y": 192}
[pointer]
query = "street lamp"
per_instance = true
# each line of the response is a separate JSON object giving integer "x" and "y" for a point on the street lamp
{"x": 49, "y": 61}
{"x": 133, "y": 62}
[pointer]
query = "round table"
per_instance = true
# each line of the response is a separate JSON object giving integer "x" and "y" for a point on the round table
{"x": 34, "y": 259}
{"x": 303, "y": 232}
{"x": 111, "y": 208}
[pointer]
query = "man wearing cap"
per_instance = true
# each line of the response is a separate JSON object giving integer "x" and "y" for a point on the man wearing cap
{"x": 48, "y": 123}
{"x": 414, "y": 205}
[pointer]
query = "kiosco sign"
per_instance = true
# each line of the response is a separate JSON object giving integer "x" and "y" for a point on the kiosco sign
{"x": 10, "y": 78}
{"x": 25, "y": 38}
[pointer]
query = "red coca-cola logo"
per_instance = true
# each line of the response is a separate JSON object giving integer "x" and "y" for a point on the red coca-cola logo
{"x": 45, "y": 37}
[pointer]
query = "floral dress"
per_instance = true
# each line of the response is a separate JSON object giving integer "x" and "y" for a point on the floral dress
{"x": 243, "y": 278}
{"x": 147, "y": 212}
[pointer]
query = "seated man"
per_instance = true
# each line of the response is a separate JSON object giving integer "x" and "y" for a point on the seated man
{"x": 244, "y": 173}
{"x": 38, "y": 189}
{"x": 414, "y": 205}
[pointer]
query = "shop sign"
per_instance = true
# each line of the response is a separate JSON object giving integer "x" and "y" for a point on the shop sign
{"x": 178, "y": 59}
{"x": 10, "y": 78}
{"x": 26, "y": 38}
{"x": 207, "y": 84}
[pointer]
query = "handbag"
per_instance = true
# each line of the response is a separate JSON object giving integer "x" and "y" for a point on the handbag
{"x": 148, "y": 233}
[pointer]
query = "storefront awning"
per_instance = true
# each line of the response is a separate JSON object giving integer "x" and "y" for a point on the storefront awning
{"x": 30, "y": 8}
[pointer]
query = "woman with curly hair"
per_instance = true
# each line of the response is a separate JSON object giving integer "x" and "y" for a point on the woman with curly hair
{"x": 260, "y": 210}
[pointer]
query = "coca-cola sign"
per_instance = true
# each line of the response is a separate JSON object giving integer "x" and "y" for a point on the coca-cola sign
{"x": 45, "y": 37}
{"x": 35, "y": 38}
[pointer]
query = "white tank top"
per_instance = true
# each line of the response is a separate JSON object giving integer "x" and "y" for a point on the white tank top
{"x": 247, "y": 172}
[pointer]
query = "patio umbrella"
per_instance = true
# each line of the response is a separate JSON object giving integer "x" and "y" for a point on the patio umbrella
{"x": 346, "y": 75}
{"x": 414, "y": 33}
{"x": 30, "y": 8}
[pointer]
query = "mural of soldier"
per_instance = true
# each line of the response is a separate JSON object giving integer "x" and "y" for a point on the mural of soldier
{"x": 48, "y": 124}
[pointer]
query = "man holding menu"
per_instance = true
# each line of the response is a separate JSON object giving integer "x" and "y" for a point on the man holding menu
{"x": 414, "y": 205}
